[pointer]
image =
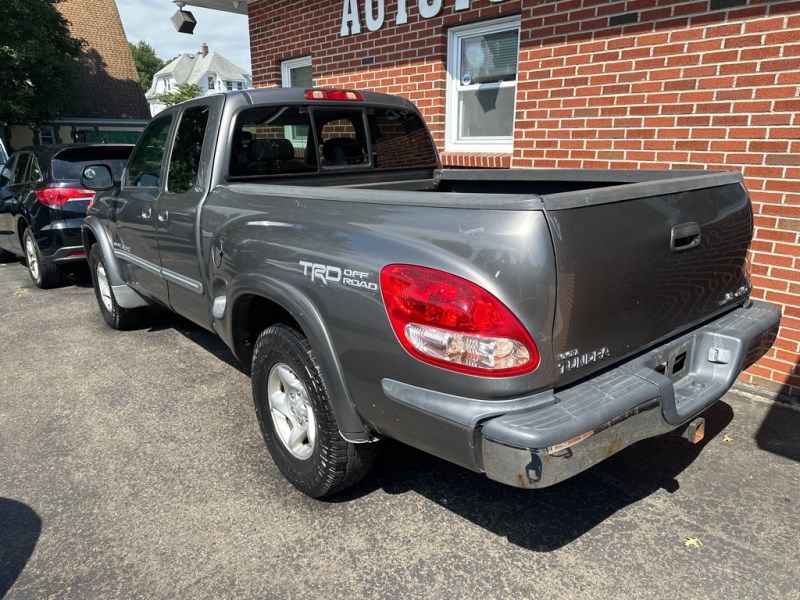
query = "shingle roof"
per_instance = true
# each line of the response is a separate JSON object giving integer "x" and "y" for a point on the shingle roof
{"x": 107, "y": 83}
{"x": 191, "y": 68}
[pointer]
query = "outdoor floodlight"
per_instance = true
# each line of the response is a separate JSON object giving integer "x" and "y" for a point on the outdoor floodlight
{"x": 183, "y": 20}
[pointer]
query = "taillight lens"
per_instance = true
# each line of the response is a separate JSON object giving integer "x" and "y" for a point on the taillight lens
{"x": 57, "y": 196}
{"x": 453, "y": 323}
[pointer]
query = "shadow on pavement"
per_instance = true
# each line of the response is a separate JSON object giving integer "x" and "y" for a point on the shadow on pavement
{"x": 779, "y": 432}
{"x": 539, "y": 520}
{"x": 20, "y": 527}
{"x": 159, "y": 319}
{"x": 547, "y": 519}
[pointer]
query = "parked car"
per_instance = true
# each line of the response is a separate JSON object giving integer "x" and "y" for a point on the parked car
{"x": 42, "y": 204}
{"x": 3, "y": 154}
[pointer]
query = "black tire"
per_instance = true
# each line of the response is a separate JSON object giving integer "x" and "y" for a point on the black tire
{"x": 332, "y": 463}
{"x": 43, "y": 274}
{"x": 113, "y": 314}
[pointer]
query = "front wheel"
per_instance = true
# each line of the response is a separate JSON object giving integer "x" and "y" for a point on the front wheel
{"x": 43, "y": 274}
{"x": 296, "y": 418}
{"x": 114, "y": 315}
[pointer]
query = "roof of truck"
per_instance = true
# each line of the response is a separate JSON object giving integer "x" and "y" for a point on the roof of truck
{"x": 298, "y": 96}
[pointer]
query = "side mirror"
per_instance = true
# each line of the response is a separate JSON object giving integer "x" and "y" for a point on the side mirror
{"x": 97, "y": 178}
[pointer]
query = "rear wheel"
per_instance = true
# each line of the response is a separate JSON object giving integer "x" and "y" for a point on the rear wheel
{"x": 296, "y": 418}
{"x": 44, "y": 275}
{"x": 114, "y": 315}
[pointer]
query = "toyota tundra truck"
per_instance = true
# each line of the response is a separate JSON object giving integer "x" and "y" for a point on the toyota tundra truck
{"x": 525, "y": 324}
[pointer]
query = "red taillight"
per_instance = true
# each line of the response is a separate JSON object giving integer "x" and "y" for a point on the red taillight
{"x": 57, "y": 196}
{"x": 450, "y": 322}
{"x": 333, "y": 95}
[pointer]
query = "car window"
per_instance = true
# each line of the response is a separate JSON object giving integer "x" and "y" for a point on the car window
{"x": 21, "y": 168}
{"x": 144, "y": 167}
{"x": 400, "y": 139}
{"x": 342, "y": 137}
{"x": 68, "y": 164}
{"x": 5, "y": 174}
{"x": 272, "y": 140}
{"x": 184, "y": 163}
{"x": 34, "y": 173}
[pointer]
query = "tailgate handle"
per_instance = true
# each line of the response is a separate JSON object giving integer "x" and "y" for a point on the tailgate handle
{"x": 684, "y": 237}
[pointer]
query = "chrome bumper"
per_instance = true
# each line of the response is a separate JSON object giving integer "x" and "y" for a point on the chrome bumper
{"x": 646, "y": 397}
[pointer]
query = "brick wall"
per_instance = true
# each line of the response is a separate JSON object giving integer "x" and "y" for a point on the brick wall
{"x": 709, "y": 84}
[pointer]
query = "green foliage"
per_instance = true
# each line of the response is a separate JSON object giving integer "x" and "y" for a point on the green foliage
{"x": 146, "y": 61}
{"x": 186, "y": 91}
{"x": 37, "y": 56}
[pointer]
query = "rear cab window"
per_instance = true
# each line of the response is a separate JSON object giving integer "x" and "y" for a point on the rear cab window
{"x": 303, "y": 139}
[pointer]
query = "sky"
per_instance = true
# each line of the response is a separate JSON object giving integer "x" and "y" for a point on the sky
{"x": 149, "y": 20}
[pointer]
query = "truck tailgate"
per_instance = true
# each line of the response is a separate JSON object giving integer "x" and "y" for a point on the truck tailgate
{"x": 640, "y": 263}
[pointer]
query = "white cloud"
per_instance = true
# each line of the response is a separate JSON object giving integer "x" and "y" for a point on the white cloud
{"x": 149, "y": 20}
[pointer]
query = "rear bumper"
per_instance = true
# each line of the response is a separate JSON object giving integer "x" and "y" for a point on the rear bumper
{"x": 61, "y": 242}
{"x": 549, "y": 437}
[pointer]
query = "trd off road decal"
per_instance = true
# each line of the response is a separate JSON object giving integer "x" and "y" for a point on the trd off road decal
{"x": 328, "y": 274}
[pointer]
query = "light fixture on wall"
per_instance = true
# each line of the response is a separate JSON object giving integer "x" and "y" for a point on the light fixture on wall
{"x": 183, "y": 20}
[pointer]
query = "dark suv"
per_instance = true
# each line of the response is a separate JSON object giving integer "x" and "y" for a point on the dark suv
{"x": 42, "y": 204}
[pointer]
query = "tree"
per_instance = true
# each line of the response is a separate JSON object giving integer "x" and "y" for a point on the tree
{"x": 37, "y": 55}
{"x": 186, "y": 91}
{"x": 146, "y": 61}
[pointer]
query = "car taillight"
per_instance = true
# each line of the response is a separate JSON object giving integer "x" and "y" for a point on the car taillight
{"x": 57, "y": 196}
{"x": 453, "y": 323}
{"x": 334, "y": 95}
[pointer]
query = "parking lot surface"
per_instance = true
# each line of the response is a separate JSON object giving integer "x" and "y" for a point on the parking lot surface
{"x": 131, "y": 466}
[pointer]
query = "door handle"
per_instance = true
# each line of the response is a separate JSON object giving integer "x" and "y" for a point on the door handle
{"x": 684, "y": 237}
{"x": 163, "y": 216}
{"x": 147, "y": 212}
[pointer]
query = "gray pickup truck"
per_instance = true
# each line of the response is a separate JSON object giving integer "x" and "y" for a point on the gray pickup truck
{"x": 526, "y": 324}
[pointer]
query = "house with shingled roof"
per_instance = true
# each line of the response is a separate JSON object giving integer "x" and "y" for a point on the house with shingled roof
{"x": 107, "y": 100}
{"x": 210, "y": 71}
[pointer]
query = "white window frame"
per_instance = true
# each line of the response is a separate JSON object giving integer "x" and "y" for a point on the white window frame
{"x": 211, "y": 83}
{"x": 288, "y": 65}
{"x": 453, "y": 143}
{"x": 286, "y": 81}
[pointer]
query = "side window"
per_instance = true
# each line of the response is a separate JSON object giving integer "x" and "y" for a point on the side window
{"x": 35, "y": 173}
{"x": 144, "y": 166}
{"x": 21, "y": 168}
{"x": 184, "y": 163}
{"x": 5, "y": 175}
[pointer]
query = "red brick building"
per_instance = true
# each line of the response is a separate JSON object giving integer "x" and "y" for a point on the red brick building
{"x": 711, "y": 84}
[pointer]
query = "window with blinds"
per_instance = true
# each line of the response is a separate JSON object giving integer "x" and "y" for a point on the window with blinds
{"x": 481, "y": 90}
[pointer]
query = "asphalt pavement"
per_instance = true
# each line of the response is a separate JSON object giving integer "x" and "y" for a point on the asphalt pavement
{"x": 131, "y": 466}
